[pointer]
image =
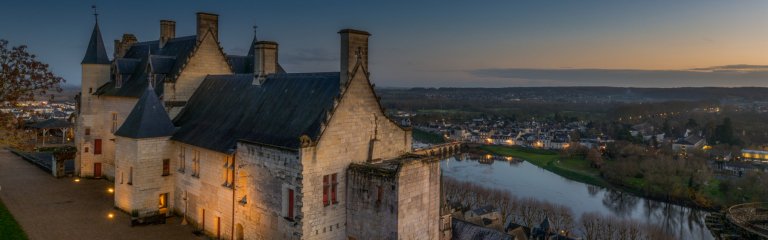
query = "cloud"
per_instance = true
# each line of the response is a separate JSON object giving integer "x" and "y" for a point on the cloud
{"x": 735, "y": 67}
{"x": 305, "y": 55}
{"x": 720, "y": 76}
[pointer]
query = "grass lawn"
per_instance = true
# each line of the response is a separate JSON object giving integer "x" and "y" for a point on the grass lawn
{"x": 427, "y": 137}
{"x": 574, "y": 169}
{"x": 9, "y": 228}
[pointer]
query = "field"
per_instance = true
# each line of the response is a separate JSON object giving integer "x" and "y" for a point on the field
{"x": 574, "y": 169}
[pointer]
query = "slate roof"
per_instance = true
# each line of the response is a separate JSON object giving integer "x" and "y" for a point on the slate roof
{"x": 483, "y": 210}
{"x": 51, "y": 123}
{"x": 166, "y": 61}
{"x": 148, "y": 119}
{"x": 227, "y": 108}
{"x": 244, "y": 64}
{"x": 461, "y": 230}
{"x": 95, "y": 53}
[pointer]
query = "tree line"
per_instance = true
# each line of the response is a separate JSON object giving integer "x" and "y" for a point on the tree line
{"x": 529, "y": 212}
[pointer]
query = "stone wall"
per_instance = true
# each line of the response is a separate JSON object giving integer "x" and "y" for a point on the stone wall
{"x": 206, "y": 60}
{"x": 419, "y": 200}
{"x": 93, "y": 76}
{"x": 264, "y": 175}
{"x": 207, "y": 193}
{"x": 355, "y": 123}
{"x": 364, "y": 204}
{"x": 140, "y": 180}
{"x": 101, "y": 128}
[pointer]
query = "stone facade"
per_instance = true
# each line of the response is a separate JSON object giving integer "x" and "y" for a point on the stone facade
{"x": 140, "y": 179}
{"x": 203, "y": 195}
{"x": 257, "y": 190}
{"x": 264, "y": 177}
{"x": 98, "y": 119}
{"x": 401, "y": 194}
{"x": 207, "y": 59}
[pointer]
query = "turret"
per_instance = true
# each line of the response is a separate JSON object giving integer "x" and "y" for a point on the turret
{"x": 143, "y": 182}
{"x": 95, "y": 67}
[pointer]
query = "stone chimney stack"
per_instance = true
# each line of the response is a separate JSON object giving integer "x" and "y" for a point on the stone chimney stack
{"x": 122, "y": 46}
{"x": 354, "y": 45}
{"x": 167, "y": 31}
{"x": 265, "y": 60}
{"x": 206, "y": 22}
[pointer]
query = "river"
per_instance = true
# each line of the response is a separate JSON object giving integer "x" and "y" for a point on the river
{"x": 524, "y": 179}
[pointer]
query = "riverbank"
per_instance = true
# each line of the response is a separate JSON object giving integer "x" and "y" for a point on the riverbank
{"x": 573, "y": 169}
{"x": 579, "y": 170}
{"x": 9, "y": 228}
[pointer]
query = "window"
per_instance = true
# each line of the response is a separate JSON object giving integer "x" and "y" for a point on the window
{"x": 130, "y": 176}
{"x": 166, "y": 167}
{"x": 87, "y": 131}
{"x": 97, "y": 146}
{"x": 85, "y": 149}
{"x": 90, "y": 90}
{"x": 114, "y": 122}
{"x": 195, "y": 163}
{"x": 330, "y": 184}
{"x": 229, "y": 171}
{"x": 326, "y": 186}
{"x": 182, "y": 159}
{"x": 163, "y": 203}
{"x": 291, "y": 204}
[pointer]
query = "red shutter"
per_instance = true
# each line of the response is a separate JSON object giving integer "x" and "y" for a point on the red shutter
{"x": 166, "y": 167}
{"x": 333, "y": 188}
{"x": 325, "y": 190}
{"x": 97, "y": 146}
{"x": 290, "y": 203}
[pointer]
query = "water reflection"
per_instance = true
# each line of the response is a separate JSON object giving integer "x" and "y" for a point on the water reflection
{"x": 526, "y": 180}
{"x": 620, "y": 203}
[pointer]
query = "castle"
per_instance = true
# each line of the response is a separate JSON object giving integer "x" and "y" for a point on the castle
{"x": 242, "y": 149}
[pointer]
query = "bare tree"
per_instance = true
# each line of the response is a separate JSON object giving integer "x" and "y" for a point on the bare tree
{"x": 22, "y": 78}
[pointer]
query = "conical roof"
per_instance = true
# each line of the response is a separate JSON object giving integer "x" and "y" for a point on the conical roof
{"x": 148, "y": 119}
{"x": 96, "y": 53}
{"x": 252, "y": 49}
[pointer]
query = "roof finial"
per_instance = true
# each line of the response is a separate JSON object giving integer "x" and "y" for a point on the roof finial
{"x": 254, "y": 29}
{"x": 95, "y": 13}
{"x": 150, "y": 71}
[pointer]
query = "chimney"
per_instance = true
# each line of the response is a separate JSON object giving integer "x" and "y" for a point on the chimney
{"x": 167, "y": 31}
{"x": 353, "y": 43}
{"x": 122, "y": 46}
{"x": 265, "y": 60}
{"x": 206, "y": 22}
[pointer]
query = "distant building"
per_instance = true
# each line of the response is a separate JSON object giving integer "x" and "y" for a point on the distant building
{"x": 690, "y": 142}
{"x": 755, "y": 156}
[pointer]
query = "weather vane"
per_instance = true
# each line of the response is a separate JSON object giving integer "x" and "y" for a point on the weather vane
{"x": 95, "y": 13}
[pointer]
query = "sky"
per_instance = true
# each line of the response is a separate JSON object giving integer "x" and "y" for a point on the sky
{"x": 649, "y": 43}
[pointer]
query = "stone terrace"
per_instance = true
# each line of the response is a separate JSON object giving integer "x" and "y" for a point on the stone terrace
{"x": 51, "y": 208}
